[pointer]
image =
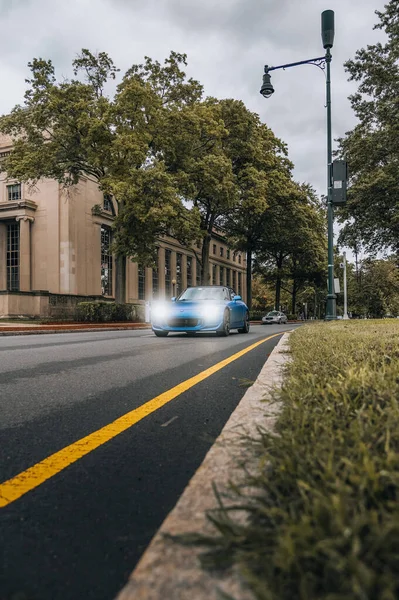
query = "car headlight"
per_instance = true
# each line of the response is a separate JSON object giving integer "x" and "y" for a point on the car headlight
{"x": 159, "y": 311}
{"x": 210, "y": 312}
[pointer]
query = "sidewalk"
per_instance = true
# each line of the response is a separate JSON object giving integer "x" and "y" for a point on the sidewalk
{"x": 39, "y": 328}
{"x": 171, "y": 571}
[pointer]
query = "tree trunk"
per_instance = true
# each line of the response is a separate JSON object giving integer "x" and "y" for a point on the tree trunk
{"x": 278, "y": 282}
{"x": 205, "y": 274}
{"x": 357, "y": 267}
{"x": 249, "y": 278}
{"x": 120, "y": 279}
{"x": 294, "y": 292}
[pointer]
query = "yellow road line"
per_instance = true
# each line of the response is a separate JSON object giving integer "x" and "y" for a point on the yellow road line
{"x": 28, "y": 480}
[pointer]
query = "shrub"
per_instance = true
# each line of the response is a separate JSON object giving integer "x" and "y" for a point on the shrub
{"x": 104, "y": 312}
{"x": 256, "y": 315}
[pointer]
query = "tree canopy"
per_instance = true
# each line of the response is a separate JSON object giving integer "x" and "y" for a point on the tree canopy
{"x": 372, "y": 148}
{"x": 175, "y": 162}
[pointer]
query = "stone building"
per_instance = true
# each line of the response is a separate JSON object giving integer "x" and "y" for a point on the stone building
{"x": 55, "y": 252}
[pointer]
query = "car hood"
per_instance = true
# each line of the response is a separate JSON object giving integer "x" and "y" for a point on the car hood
{"x": 190, "y": 306}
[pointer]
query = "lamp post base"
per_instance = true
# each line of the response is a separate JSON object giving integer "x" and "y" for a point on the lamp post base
{"x": 331, "y": 311}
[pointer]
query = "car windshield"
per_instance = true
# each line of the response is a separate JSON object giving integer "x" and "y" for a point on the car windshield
{"x": 273, "y": 313}
{"x": 202, "y": 293}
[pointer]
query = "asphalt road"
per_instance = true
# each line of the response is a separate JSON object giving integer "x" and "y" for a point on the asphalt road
{"x": 80, "y": 533}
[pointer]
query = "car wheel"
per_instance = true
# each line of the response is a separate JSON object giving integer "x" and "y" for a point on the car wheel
{"x": 225, "y": 328}
{"x": 161, "y": 333}
{"x": 245, "y": 329}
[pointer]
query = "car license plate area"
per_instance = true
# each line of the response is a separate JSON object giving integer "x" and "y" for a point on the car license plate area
{"x": 182, "y": 322}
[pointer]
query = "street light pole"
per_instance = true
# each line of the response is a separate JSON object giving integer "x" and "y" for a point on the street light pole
{"x": 346, "y": 316}
{"x": 331, "y": 309}
{"x": 323, "y": 62}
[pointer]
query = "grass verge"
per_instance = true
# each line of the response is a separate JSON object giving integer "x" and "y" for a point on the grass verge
{"x": 322, "y": 511}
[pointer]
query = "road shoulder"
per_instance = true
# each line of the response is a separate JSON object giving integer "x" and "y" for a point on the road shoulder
{"x": 171, "y": 571}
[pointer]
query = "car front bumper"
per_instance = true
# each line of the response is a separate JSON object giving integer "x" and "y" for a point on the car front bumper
{"x": 187, "y": 324}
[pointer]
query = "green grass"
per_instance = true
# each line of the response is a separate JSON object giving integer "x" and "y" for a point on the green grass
{"x": 322, "y": 510}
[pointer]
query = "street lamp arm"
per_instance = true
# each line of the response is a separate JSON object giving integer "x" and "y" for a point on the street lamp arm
{"x": 318, "y": 62}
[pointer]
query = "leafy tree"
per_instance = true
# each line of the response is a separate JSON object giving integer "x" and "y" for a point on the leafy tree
{"x": 219, "y": 163}
{"x": 262, "y": 182}
{"x": 376, "y": 291}
{"x": 293, "y": 248}
{"x": 372, "y": 148}
{"x": 262, "y": 294}
{"x": 72, "y": 128}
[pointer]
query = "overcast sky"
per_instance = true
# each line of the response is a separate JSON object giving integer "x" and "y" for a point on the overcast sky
{"x": 227, "y": 43}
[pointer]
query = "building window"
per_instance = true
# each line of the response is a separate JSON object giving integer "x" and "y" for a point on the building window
{"x": 228, "y": 254}
{"x": 228, "y": 274}
{"x": 141, "y": 282}
{"x": 108, "y": 204}
{"x": 221, "y": 276}
{"x": 234, "y": 256}
{"x": 214, "y": 282}
{"x": 106, "y": 261}
{"x": 221, "y": 250}
{"x": 234, "y": 283}
{"x": 189, "y": 271}
{"x": 168, "y": 273}
{"x": 198, "y": 274}
{"x": 178, "y": 273}
{"x": 239, "y": 259}
{"x": 14, "y": 192}
{"x": 214, "y": 248}
{"x": 155, "y": 277}
{"x": 239, "y": 276}
{"x": 13, "y": 257}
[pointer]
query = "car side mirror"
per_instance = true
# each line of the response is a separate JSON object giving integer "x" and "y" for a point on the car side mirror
{"x": 236, "y": 298}
{"x": 173, "y": 299}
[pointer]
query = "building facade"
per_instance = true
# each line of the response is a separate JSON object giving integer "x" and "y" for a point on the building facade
{"x": 55, "y": 250}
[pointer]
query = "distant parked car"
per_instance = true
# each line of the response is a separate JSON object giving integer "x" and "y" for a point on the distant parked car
{"x": 274, "y": 316}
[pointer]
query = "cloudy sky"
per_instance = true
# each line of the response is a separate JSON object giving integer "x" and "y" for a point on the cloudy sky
{"x": 227, "y": 43}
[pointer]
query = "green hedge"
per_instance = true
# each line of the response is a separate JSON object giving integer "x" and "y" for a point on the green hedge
{"x": 323, "y": 509}
{"x": 256, "y": 315}
{"x": 104, "y": 312}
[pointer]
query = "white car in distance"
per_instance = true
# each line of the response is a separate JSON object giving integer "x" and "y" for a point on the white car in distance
{"x": 273, "y": 317}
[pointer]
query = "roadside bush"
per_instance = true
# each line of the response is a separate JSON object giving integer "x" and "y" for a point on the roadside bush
{"x": 256, "y": 315}
{"x": 104, "y": 312}
{"x": 323, "y": 517}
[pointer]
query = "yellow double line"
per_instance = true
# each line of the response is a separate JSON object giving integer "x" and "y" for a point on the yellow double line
{"x": 28, "y": 480}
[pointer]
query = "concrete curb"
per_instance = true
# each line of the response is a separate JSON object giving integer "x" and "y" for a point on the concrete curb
{"x": 171, "y": 571}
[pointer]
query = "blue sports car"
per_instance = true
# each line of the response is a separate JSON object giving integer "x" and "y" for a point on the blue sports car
{"x": 206, "y": 308}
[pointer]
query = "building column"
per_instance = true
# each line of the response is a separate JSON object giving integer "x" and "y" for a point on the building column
{"x": 161, "y": 272}
{"x": 223, "y": 277}
{"x": 183, "y": 272}
{"x": 193, "y": 271}
{"x": 3, "y": 256}
{"x": 95, "y": 270}
{"x": 24, "y": 253}
{"x": 228, "y": 277}
{"x": 173, "y": 270}
{"x": 148, "y": 284}
{"x": 217, "y": 282}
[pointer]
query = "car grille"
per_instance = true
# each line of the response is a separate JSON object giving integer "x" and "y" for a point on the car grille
{"x": 182, "y": 322}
